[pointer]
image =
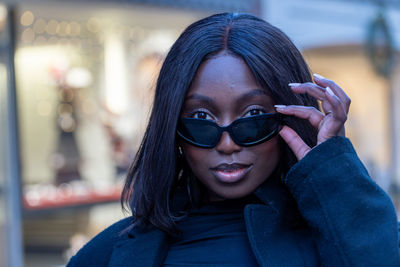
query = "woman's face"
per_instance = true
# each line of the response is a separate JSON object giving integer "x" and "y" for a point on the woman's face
{"x": 224, "y": 90}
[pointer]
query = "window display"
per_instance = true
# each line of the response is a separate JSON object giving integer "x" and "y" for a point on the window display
{"x": 85, "y": 86}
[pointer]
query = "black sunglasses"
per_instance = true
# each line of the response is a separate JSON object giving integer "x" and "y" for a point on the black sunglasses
{"x": 246, "y": 131}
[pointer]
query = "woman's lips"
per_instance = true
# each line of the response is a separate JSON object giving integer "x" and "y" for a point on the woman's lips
{"x": 231, "y": 173}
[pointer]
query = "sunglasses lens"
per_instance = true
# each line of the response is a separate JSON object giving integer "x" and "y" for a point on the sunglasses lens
{"x": 244, "y": 132}
{"x": 253, "y": 130}
{"x": 202, "y": 133}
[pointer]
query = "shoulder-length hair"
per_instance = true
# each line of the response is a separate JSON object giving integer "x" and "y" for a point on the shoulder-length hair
{"x": 274, "y": 61}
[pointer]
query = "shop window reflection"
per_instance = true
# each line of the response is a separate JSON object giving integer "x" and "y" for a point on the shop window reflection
{"x": 84, "y": 94}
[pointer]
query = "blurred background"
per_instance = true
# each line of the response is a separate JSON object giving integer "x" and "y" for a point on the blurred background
{"x": 76, "y": 85}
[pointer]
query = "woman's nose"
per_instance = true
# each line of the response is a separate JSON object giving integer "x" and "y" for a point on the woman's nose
{"x": 226, "y": 145}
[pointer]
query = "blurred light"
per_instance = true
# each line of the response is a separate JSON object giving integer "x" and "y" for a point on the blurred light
{"x": 68, "y": 29}
{"x": 159, "y": 41}
{"x": 32, "y": 197}
{"x": 43, "y": 108}
{"x": 28, "y": 35}
{"x": 65, "y": 108}
{"x": 75, "y": 28}
{"x": 65, "y": 190}
{"x": 49, "y": 62}
{"x": 66, "y": 95}
{"x": 52, "y": 27}
{"x": 39, "y": 26}
{"x": 66, "y": 122}
{"x": 40, "y": 40}
{"x": 93, "y": 25}
{"x": 57, "y": 161}
{"x": 48, "y": 191}
{"x": 116, "y": 90}
{"x": 27, "y": 18}
{"x": 58, "y": 69}
{"x": 79, "y": 78}
{"x": 80, "y": 187}
{"x": 63, "y": 28}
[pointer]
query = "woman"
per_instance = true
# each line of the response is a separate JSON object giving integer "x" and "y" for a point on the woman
{"x": 238, "y": 167}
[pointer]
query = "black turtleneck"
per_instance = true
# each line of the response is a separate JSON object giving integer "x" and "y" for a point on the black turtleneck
{"x": 213, "y": 235}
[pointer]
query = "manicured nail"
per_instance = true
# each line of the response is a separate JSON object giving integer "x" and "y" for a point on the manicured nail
{"x": 280, "y": 106}
{"x": 318, "y": 76}
{"x": 329, "y": 90}
{"x": 294, "y": 84}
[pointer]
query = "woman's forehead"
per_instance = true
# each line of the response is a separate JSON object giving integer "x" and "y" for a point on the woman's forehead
{"x": 223, "y": 74}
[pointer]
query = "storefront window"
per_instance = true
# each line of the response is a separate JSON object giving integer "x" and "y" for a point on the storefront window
{"x": 85, "y": 86}
{"x": 85, "y": 81}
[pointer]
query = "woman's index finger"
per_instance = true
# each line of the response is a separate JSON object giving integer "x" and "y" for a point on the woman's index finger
{"x": 339, "y": 92}
{"x": 312, "y": 89}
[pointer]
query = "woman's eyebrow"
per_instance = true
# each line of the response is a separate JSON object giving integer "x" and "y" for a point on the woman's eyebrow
{"x": 249, "y": 95}
{"x": 201, "y": 98}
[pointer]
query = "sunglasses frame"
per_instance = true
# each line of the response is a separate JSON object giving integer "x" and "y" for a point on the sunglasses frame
{"x": 280, "y": 118}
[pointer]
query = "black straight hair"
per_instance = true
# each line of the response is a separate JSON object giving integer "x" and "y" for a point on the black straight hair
{"x": 274, "y": 61}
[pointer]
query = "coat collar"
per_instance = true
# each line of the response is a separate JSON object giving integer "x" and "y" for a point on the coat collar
{"x": 139, "y": 248}
{"x": 269, "y": 228}
{"x": 276, "y": 230}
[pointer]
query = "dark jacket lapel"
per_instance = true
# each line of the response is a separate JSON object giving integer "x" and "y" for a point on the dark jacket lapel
{"x": 140, "y": 248}
{"x": 272, "y": 227}
{"x": 145, "y": 248}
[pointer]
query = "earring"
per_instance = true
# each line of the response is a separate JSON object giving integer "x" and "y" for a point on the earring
{"x": 180, "y": 174}
{"x": 189, "y": 188}
{"x": 180, "y": 151}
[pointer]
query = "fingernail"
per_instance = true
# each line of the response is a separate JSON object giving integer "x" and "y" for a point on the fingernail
{"x": 280, "y": 106}
{"x": 329, "y": 90}
{"x": 294, "y": 84}
{"x": 318, "y": 76}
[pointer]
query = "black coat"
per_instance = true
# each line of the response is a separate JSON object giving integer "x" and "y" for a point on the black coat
{"x": 329, "y": 213}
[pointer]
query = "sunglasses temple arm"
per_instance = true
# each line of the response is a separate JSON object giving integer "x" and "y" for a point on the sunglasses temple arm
{"x": 283, "y": 118}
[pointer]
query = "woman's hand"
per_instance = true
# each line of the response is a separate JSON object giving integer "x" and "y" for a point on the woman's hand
{"x": 335, "y": 105}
